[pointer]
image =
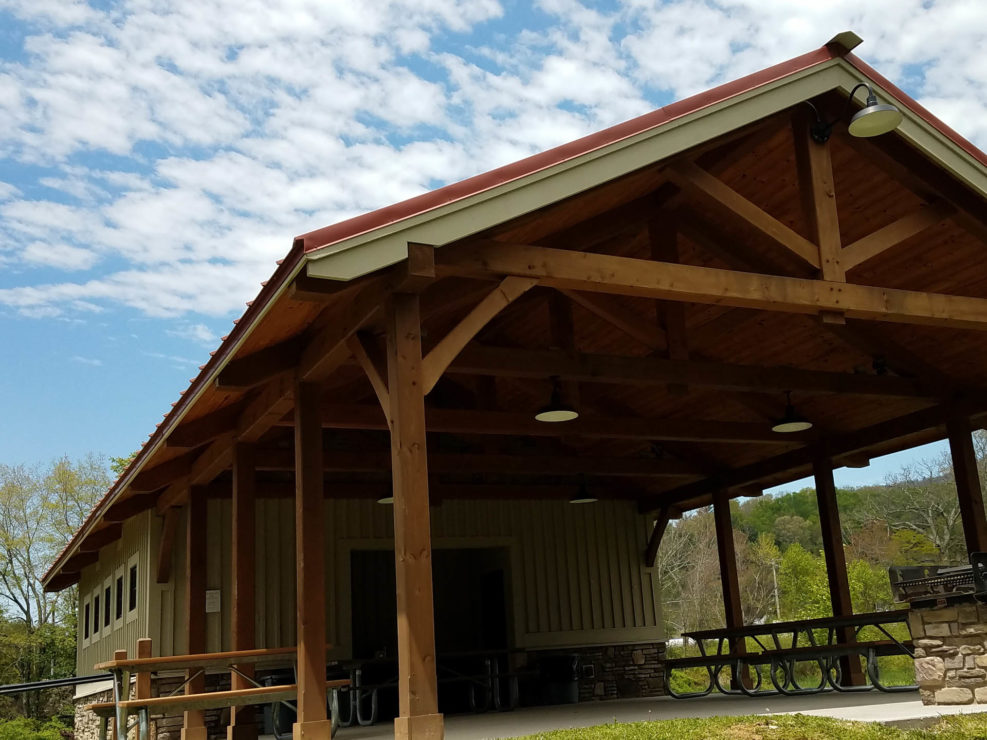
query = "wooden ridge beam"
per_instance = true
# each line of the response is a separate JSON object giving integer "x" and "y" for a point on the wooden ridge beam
{"x": 697, "y": 181}
{"x": 523, "y": 363}
{"x": 645, "y": 278}
{"x": 455, "y": 421}
{"x": 439, "y": 357}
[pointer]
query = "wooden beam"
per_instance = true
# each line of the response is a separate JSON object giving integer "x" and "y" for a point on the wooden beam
{"x": 531, "y": 464}
{"x": 265, "y": 409}
{"x": 438, "y": 359}
{"x": 260, "y": 366}
{"x": 836, "y": 573}
{"x": 536, "y": 364}
{"x": 455, "y": 421}
{"x": 968, "y": 489}
{"x": 664, "y": 235}
{"x": 799, "y": 460}
{"x": 373, "y": 362}
{"x": 319, "y": 290}
{"x": 417, "y": 683}
{"x": 815, "y": 181}
{"x": 166, "y": 544}
{"x": 99, "y": 538}
{"x": 890, "y": 236}
{"x": 648, "y": 279}
{"x": 697, "y": 181}
{"x": 194, "y": 727}
{"x": 216, "y": 458}
{"x": 665, "y": 515}
{"x": 122, "y": 510}
{"x": 204, "y": 429}
{"x": 159, "y": 476}
{"x": 310, "y": 564}
{"x": 243, "y": 573}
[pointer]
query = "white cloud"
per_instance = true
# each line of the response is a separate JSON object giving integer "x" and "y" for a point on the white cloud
{"x": 184, "y": 144}
{"x": 199, "y": 333}
{"x": 87, "y": 361}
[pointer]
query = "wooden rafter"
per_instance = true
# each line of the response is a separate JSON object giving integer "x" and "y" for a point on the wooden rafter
{"x": 644, "y": 278}
{"x": 632, "y": 324}
{"x": 887, "y": 237}
{"x": 695, "y": 180}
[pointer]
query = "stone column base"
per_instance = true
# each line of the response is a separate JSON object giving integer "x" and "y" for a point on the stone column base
{"x": 318, "y": 730}
{"x": 421, "y": 727}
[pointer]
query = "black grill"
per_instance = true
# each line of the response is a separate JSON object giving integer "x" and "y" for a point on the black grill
{"x": 940, "y": 585}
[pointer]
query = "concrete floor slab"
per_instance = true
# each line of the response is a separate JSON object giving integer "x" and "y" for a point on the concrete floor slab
{"x": 867, "y": 707}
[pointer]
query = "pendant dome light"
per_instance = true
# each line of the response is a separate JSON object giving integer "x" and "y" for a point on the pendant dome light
{"x": 556, "y": 410}
{"x": 792, "y": 421}
{"x": 583, "y": 496}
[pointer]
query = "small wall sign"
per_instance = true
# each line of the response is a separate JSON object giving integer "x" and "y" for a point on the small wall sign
{"x": 213, "y": 601}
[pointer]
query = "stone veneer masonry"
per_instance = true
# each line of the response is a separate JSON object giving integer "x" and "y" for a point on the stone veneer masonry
{"x": 951, "y": 653}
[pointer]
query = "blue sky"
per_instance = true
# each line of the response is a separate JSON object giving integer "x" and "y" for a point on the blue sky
{"x": 157, "y": 157}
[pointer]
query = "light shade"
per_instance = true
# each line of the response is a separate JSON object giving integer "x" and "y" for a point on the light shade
{"x": 791, "y": 421}
{"x": 874, "y": 119}
{"x": 556, "y": 410}
{"x": 385, "y": 500}
{"x": 583, "y": 496}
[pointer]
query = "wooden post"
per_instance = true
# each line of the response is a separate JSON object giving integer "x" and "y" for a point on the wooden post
{"x": 311, "y": 722}
{"x": 729, "y": 581}
{"x": 418, "y": 716}
{"x": 832, "y": 538}
{"x": 968, "y": 488}
{"x": 242, "y": 725}
{"x": 143, "y": 687}
{"x": 194, "y": 727}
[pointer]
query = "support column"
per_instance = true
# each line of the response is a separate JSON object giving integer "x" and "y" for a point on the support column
{"x": 311, "y": 721}
{"x": 832, "y": 538}
{"x": 418, "y": 717}
{"x": 242, "y": 723}
{"x": 968, "y": 490}
{"x": 194, "y": 727}
{"x": 730, "y": 583}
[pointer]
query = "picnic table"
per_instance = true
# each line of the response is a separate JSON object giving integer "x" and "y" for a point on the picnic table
{"x": 782, "y": 645}
{"x": 195, "y": 665}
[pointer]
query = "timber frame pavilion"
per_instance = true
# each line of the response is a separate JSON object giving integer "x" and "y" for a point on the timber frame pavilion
{"x": 673, "y": 276}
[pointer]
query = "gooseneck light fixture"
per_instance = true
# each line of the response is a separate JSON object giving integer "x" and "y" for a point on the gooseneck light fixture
{"x": 791, "y": 421}
{"x": 556, "y": 410}
{"x": 873, "y": 119}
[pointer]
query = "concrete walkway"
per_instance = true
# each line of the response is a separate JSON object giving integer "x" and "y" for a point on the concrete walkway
{"x": 869, "y": 706}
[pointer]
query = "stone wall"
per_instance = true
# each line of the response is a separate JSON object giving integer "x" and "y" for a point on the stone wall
{"x": 162, "y": 727}
{"x": 951, "y": 653}
{"x": 620, "y": 671}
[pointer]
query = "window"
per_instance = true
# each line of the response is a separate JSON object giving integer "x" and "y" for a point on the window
{"x": 119, "y": 612}
{"x": 132, "y": 603}
{"x": 85, "y": 622}
{"x": 107, "y": 605}
{"x": 95, "y": 615}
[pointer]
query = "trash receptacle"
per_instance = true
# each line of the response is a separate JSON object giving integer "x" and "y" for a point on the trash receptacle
{"x": 560, "y": 678}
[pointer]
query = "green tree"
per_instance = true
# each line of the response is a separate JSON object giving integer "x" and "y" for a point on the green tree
{"x": 804, "y": 589}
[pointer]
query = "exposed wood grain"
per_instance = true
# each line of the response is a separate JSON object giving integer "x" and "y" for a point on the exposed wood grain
{"x": 968, "y": 488}
{"x": 243, "y": 576}
{"x": 888, "y": 237}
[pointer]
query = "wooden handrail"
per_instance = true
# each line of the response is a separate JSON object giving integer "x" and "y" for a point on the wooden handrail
{"x": 199, "y": 660}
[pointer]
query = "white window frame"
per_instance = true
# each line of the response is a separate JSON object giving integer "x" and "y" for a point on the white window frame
{"x": 131, "y": 614}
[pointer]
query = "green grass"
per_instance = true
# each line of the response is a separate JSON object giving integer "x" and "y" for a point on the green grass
{"x": 781, "y": 727}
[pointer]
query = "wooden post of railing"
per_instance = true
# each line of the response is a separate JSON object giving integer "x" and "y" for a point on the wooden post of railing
{"x": 194, "y": 726}
{"x": 418, "y": 716}
{"x": 143, "y": 688}
{"x": 832, "y": 538}
{"x": 120, "y": 720}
